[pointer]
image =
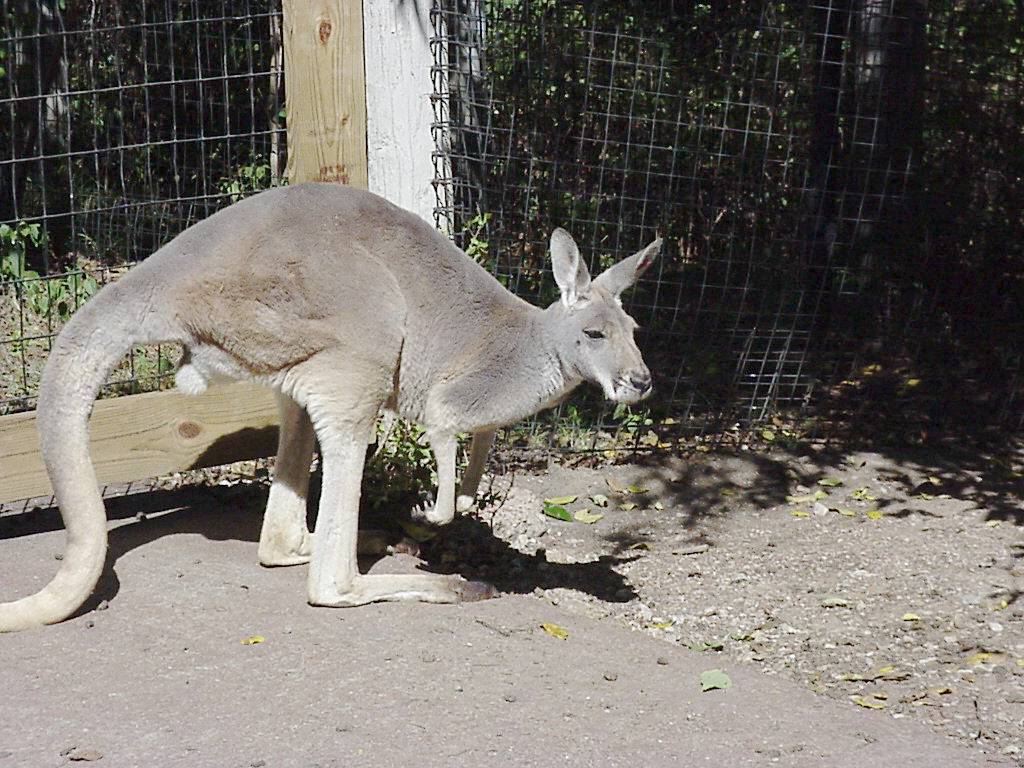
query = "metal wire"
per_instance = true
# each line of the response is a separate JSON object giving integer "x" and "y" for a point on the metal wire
{"x": 779, "y": 146}
{"x": 840, "y": 183}
{"x": 120, "y": 125}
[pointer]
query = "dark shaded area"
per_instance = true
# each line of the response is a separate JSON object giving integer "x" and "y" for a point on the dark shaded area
{"x": 235, "y": 512}
{"x": 840, "y": 182}
{"x": 243, "y": 445}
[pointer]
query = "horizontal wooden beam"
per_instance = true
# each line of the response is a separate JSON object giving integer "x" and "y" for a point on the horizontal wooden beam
{"x": 142, "y": 436}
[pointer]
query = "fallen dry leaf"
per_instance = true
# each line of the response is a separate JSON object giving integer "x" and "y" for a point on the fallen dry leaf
{"x": 555, "y": 631}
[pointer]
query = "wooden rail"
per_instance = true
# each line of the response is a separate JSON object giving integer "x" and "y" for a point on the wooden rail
{"x": 140, "y": 436}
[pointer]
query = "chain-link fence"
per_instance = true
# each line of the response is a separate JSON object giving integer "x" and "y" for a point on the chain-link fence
{"x": 121, "y": 123}
{"x": 839, "y": 182}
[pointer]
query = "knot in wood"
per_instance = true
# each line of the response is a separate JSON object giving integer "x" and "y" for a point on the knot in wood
{"x": 189, "y": 429}
{"x": 324, "y": 30}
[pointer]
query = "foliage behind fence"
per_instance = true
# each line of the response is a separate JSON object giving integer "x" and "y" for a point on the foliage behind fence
{"x": 121, "y": 123}
{"x": 839, "y": 181}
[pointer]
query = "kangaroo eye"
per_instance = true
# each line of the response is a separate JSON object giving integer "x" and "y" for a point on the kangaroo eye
{"x": 592, "y": 334}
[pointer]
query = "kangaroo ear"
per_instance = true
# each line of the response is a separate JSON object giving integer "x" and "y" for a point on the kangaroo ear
{"x": 621, "y": 276}
{"x": 571, "y": 274}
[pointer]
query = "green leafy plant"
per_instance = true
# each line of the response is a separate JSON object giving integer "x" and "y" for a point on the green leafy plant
{"x": 478, "y": 247}
{"x": 402, "y": 470}
{"x": 52, "y": 298}
{"x": 247, "y": 179}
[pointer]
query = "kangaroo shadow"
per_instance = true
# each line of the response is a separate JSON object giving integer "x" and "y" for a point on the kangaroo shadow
{"x": 223, "y": 513}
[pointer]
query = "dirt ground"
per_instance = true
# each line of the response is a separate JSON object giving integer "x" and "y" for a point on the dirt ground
{"x": 866, "y": 608}
{"x": 883, "y": 583}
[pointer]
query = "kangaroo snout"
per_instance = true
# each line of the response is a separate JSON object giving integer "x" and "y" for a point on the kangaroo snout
{"x": 632, "y": 386}
{"x": 640, "y": 380}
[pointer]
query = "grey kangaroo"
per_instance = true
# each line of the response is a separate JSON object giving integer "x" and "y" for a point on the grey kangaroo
{"x": 345, "y": 305}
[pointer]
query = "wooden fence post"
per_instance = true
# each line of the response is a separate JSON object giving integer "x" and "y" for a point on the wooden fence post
{"x": 399, "y": 112}
{"x": 325, "y": 91}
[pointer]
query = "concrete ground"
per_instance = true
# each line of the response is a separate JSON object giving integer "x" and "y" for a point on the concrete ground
{"x": 156, "y": 673}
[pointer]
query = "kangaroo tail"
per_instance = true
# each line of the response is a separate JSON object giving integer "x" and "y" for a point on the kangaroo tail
{"x": 82, "y": 357}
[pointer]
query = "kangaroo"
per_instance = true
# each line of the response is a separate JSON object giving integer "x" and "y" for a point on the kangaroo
{"x": 345, "y": 305}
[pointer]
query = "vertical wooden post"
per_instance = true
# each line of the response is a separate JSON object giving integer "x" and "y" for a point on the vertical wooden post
{"x": 325, "y": 91}
{"x": 399, "y": 112}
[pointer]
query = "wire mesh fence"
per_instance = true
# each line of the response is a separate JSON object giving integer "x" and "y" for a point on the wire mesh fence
{"x": 121, "y": 124}
{"x": 801, "y": 160}
{"x": 839, "y": 183}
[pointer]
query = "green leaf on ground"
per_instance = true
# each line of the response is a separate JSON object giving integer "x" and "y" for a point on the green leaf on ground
{"x": 799, "y": 513}
{"x": 910, "y": 617}
{"x": 887, "y": 673}
{"x": 558, "y": 512}
{"x": 871, "y": 703}
{"x": 253, "y": 640}
{"x": 983, "y": 657}
{"x": 560, "y": 500}
{"x": 874, "y": 514}
{"x": 586, "y": 516}
{"x": 830, "y": 482}
{"x": 628, "y": 506}
{"x": 714, "y": 679}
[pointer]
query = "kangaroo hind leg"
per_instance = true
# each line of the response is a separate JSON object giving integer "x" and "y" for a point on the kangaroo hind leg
{"x": 284, "y": 538}
{"x": 334, "y": 578}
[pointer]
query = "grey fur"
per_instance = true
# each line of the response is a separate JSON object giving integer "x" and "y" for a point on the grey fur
{"x": 344, "y": 304}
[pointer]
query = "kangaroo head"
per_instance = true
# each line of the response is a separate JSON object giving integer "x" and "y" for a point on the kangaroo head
{"x": 594, "y": 333}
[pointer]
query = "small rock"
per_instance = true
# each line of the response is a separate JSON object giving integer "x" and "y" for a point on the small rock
{"x": 258, "y": 764}
{"x": 90, "y": 624}
{"x": 611, "y": 677}
{"x": 995, "y": 626}
{"x": 103, "y": 605}
{"x": 820, "y": 509}
{"x": 663, "y": 661}
{"x": 510, "y": 698}
{"x": 59, "y": 556}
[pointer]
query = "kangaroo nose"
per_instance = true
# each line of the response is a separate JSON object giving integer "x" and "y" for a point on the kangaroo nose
{"x": 641, "y": 380}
